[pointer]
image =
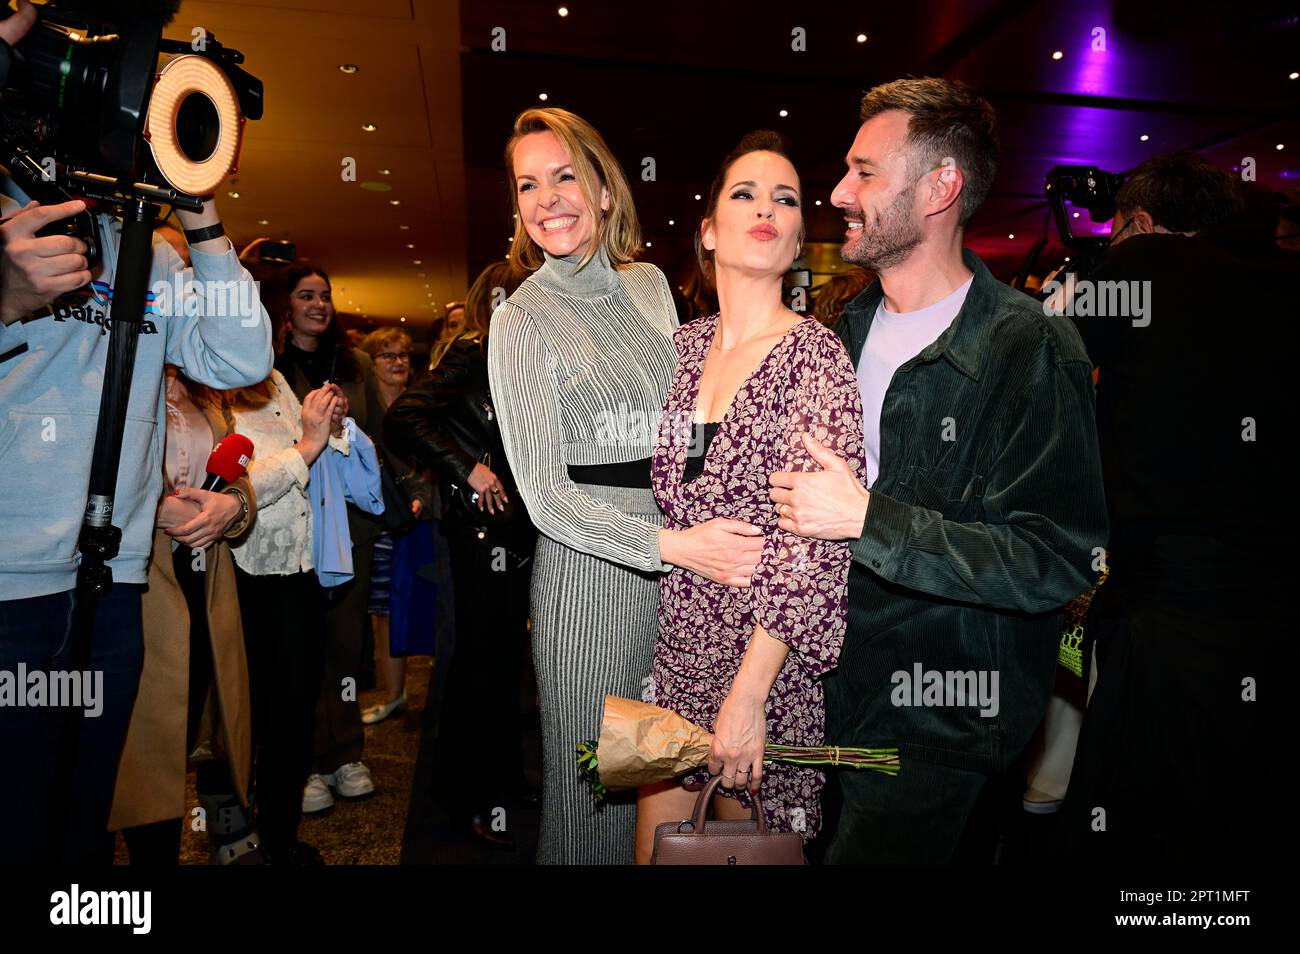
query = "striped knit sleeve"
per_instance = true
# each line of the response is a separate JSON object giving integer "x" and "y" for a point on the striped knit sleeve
{"x": 525, "y": 396}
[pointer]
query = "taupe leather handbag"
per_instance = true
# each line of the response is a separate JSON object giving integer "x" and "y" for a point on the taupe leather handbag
{"x": 703, "y": 842}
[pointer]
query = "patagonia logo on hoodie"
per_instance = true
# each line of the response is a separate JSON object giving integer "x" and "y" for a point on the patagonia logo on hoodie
{"x": 90, "y": 305}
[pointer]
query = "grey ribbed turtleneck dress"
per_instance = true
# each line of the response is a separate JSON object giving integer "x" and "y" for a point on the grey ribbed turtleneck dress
{"x": 580, "y": 361}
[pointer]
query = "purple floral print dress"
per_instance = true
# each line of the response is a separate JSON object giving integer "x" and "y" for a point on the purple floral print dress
{"x": 799, "y": 592}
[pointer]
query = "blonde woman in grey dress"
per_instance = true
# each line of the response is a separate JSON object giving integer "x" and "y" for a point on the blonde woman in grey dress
{"x": 580, "y": 359}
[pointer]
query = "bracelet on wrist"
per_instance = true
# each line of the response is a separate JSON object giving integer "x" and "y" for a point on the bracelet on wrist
{"x": 195, "y": 236}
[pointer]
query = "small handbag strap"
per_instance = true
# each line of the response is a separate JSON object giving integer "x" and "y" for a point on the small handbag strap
{"x": 702, "y": 806}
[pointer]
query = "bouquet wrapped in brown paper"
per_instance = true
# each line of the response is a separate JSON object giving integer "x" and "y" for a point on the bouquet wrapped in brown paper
{"x": 641, "y": 744}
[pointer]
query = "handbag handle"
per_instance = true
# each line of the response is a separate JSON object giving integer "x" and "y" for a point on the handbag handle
{"x": 702, "y": 807}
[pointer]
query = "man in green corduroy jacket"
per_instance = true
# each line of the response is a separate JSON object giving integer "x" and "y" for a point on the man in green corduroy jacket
{"x": 984, "y": 511}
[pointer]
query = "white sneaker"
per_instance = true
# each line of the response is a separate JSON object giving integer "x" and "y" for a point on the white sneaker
{"x": 316, "y": 795}
{"x": 352, "y": 781}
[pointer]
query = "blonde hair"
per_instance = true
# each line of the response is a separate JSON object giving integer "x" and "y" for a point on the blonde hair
{"x": 382, "y": 339}
{"x": 594, "y": 165}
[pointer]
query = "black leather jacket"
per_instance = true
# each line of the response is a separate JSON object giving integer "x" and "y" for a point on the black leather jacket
{"x": 446, "y": 421}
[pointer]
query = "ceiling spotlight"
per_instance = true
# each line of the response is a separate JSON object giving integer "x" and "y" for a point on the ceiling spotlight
{"x": 862, "y": 38}
{"x": 1294, "y": 76}
{"x": 784, "y": 113}
{"x": 403, "y": 318}
{"x": 1144, "y": 137}
{"x": 563, "y": 11}
{"x": 671, "y": 222}
{"x": 263, "y": 221}
{"x": 1011, "y": 235}
{"x": 233, "y": 195}
{"x": 817, "y": 202}
{"x": 385, "y": 172}
{"x": 1057, "y": 55}
{"x": 421, "y": 274}
{"x": 404, "y": 228}
{"x": 395, "y": 202}
{"x": 369, "y": 127}
{"x": 1067, "y": 258}
{"x": 1279, "y": 145}
{"x": 542, "y": 96}
{"x": 348, "y": 68}
{"x": 697, "y": 197}
{"x": 416, "y": 261}
{"x": 1076, "y": 215}
{"x": 410, "y": 245}
{"x": 648, "y": 244}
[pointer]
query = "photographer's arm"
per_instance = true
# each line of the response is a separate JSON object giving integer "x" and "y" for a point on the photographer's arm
{"x": 208, "y": 216}
{"x": 217, "y": 332}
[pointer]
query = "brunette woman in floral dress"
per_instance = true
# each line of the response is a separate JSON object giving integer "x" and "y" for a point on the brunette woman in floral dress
{"x": 745, "y": 662}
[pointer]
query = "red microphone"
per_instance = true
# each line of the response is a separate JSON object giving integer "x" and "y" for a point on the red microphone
{"x": 228, "y": 461}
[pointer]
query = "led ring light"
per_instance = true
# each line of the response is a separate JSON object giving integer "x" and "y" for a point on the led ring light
{"x": 183, "y": 77}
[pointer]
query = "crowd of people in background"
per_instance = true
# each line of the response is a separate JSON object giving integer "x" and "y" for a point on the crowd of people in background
{"x": 465, "y": 502}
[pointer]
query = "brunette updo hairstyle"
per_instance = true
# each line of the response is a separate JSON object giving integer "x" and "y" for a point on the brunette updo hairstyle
{"x": 761, "y": 140}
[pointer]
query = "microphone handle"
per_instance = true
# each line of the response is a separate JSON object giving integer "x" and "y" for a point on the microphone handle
{"x": 214, "y": 482}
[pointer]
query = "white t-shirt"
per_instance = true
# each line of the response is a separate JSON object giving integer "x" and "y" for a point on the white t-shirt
{"x": 895, "y": 339}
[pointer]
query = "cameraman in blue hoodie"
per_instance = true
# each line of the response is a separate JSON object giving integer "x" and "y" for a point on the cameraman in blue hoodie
{"x": 55, "y": 315}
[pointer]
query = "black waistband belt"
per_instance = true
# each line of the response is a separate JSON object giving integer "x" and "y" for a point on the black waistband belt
{"x": 632, "y": 473}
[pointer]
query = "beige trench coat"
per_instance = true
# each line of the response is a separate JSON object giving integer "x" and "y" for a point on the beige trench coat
{"x": 151, "y": 773}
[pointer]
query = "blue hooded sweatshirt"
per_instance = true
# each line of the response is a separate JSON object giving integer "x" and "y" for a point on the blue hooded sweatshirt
{"x": 51, "y": 376}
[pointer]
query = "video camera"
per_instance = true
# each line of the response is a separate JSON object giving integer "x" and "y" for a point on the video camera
{"x": 95, "y": 104}
{"x": 1082, "y": 199}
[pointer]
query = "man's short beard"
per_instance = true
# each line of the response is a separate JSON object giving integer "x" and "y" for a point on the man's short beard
{"x": 892, "y": 239}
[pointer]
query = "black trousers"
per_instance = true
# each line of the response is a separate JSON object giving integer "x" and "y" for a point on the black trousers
{"x": 478, "y": 731}
{"x": 928, "y": 814}
{"x": 284, "y": 639}
{"x": 1178, "y": 762}
{"x": 340, "y": 734}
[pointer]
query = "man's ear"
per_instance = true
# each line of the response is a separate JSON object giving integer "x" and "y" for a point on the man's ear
{"x": 945, "y": 187}
{"x": 1143, "y": 224}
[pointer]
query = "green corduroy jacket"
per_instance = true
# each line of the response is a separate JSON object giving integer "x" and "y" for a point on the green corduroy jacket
{"x": 988, "y": 515}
